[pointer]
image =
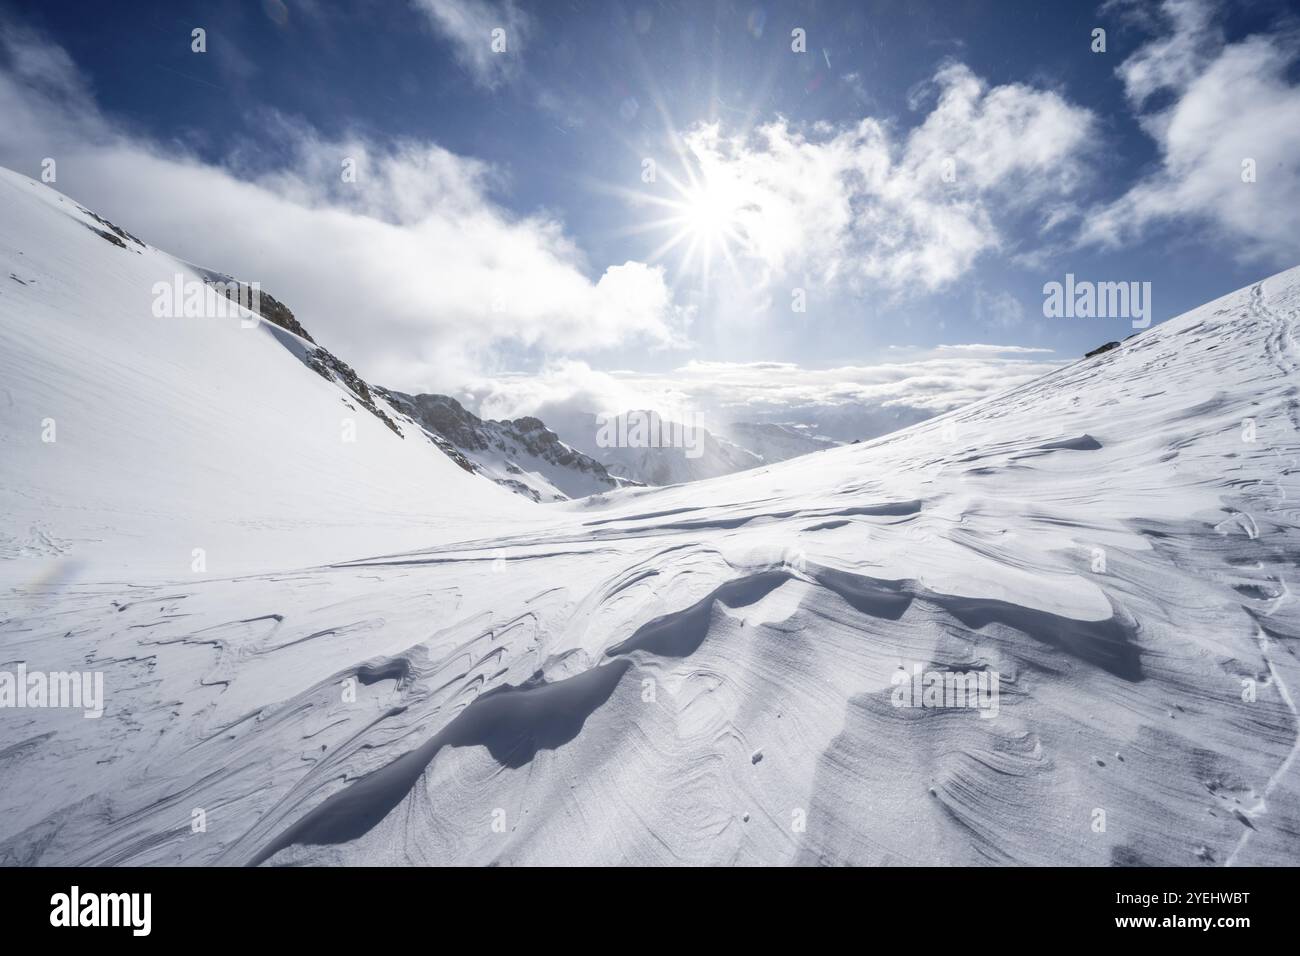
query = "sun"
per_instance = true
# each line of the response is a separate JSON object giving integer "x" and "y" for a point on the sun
{"x": 707, "y": 213}
{"x": 703, "y": 212}
{"x": 704, "y": 219}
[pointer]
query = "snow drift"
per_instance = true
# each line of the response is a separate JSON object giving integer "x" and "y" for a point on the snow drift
{"x": 695, "y": 674}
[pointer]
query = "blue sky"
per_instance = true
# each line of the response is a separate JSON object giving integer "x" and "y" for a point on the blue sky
{"x": 498, "y": 241}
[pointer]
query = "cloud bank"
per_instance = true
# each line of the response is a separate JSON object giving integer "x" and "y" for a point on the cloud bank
{"x": 843, "y": 401}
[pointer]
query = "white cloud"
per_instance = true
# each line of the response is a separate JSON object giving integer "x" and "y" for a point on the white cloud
{"x": 994, "y": 349}
{"x": 469, "y": 26}
{"x": 858, "y": 206}
{"x": 719, "y": 392}
{"x": 1171, "y": 61}
{"x": 412, "y": 272}
{"x": 1001, "y": 310}
{"x": 1226, "y": 103}
{"x": 932, "y": 382}
{"x": 564, "y": 386}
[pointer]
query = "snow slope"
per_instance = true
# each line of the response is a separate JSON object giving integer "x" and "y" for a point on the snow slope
{"x": 773, "y": 441}
{"x": 172, "y": 434}
{"x": 700, "y": 673}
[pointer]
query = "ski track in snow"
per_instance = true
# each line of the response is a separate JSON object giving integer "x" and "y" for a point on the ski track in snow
{"x": 1280, "y": 349}
{"x": 701, "y": 673}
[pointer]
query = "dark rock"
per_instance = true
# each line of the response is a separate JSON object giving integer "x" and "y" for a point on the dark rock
{"x": 116, "y": 235}
{"x": 334, "y": 369}
{"x": 268, "y": 306}
{"x": 1101, "y": 348}
{"x": 446, "y": 418}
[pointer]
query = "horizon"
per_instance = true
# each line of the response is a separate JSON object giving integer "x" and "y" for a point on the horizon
{"x": 720, "y": 210}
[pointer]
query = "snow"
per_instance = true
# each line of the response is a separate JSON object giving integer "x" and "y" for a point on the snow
{"x": 435, "y": 671}
{"x": 550, "y": 482}
{"x": 173, "y": 434}
{"x": 773, "y": 441}
{"x": 522, "y": 455}
{"x": 661, "y": 451}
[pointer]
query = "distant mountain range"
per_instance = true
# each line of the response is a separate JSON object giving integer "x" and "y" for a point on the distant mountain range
{"x": 522, "y": 455}
{"x": 528, "y": 458}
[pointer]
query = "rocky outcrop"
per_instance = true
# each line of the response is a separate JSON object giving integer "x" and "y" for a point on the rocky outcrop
{"x": 1100, "y": 349}
{"x": 330, "y": 367}
{"x": 273, "y": 310}
{"x": 114, "y": 234}
{"x": 319, "y": 359}
{"x": 522, "y": 455}
{"x": 268, "y": 306}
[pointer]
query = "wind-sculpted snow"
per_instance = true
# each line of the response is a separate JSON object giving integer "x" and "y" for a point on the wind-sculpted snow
{"x": 708, "y": 673}
{"x": 513, "y": 723}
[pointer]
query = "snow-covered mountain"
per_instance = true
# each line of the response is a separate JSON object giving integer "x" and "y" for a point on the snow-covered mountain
{"x": 390, "y": 660}
{"x": 522, "y": 455}
{"x": 774, "y": 441}
{"x": 850, "y": 421}
{"x": 739, "y": 447}
{"x": 659, "y": 452}
{"x": 148, "y": 425}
